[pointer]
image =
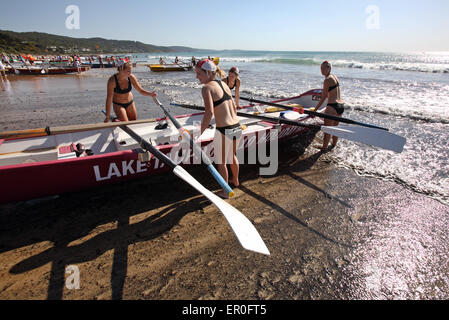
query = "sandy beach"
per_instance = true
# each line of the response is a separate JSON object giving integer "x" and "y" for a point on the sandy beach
{"x": 332, "y": 234}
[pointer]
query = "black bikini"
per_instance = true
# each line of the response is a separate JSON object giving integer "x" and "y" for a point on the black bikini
{"x": 234, "y": 131}
{"x": 339, "y": 107}
{"x": 118, "y": 90}
{"x": 333, "y": 87}
{"x": 225, "y": 97}
{"x": 227, "y": 82}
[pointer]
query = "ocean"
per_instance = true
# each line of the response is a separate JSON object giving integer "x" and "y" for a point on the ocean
{"x": 405, "y": 92}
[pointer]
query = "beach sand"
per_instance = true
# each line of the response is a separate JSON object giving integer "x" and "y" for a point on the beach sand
{"x": 332, "y": 234}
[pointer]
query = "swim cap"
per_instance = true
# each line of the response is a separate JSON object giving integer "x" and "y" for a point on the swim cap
{"x": 119, "y": 63}
{"x": 327, "y": 63}
{"x": 235, "y": 70}
{"x": 207, "y": 65}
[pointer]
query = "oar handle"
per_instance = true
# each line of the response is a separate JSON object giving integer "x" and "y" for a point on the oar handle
{"x": 318, "y": 114}
{"x": 197, "y": 151}
{"x": 149, "y": 147}
{"x": 256, "y": 116}
{"x": 25, "y": 133}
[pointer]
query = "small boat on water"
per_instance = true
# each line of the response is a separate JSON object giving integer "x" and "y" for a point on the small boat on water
{"x": 43, "y": 162}
{"x": 169, "y": 67}
{"x": 48, "y": 70}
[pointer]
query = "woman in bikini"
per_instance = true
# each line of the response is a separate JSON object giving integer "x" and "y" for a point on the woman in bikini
{"x": 335, "y": 106}
{"x": 120, "y": 95}
{"x": 233, "y": 82}
{"x": 218, "y": 102}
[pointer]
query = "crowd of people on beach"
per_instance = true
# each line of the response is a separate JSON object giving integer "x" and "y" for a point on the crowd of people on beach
{"x": 12, "y": 60}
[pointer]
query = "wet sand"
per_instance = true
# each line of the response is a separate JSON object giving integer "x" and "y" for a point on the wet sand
{"x": 332, "y": 235}
{"x": 28, "y": 102}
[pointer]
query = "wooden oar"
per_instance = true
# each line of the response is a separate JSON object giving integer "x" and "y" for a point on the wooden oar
{"x": 246, "y": 233}
{"x": 374, "y": 137}
{"x": 317, "y": 114}
{"x": 197, "y": 150}
{"x": 66, "y": 129}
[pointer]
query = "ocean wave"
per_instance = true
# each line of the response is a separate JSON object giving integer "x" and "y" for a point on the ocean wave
{"x": 353, "y": 64}
{"x": 427, "y": 116}
{"x": 420, "y": 167}
{"x": 434, "y": 192}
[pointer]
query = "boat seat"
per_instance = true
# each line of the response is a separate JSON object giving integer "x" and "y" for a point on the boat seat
{"x": 44, "y": 154}
{"x": 67, "y": 152}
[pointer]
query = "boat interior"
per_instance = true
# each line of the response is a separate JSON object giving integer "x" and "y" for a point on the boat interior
{"x": 107, "y": 140}
{"x": 101, "y": 141}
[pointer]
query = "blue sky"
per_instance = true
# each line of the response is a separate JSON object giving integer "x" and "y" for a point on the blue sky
{"x": 320, "y": 25}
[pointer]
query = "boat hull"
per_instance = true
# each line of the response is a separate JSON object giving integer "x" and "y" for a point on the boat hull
{"x": 168, "y": 67}
{"x": 49, "y": 71}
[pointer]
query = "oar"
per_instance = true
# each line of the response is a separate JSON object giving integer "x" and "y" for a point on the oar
{"x": 318, "y": 114}
{"x": 65, "y": 129}
{"x": 197, "y": 150}
{"x": 246, "y": 233}
{"x": 371, "y": 136}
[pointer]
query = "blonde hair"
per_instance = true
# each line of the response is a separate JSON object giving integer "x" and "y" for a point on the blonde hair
{"x": 124, "y": 66}
{"x": 220, "y": 73}
{"x": 213, "y": 74}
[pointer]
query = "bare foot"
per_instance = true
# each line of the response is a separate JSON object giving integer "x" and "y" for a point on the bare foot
{"x": 222, "y": 194}
{"x": 321, "y": 148}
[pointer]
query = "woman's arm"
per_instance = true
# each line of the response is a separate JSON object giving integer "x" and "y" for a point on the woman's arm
{"x": 323, "y": 94}
{"x": 110, "y": 93}
{"x": 208, "y": 108}
{"x": 142, "y": 91}
{"x": 237, "y": 92}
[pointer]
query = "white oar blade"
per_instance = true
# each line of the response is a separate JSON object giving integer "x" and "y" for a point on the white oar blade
{"x": 375, "y": 137}
{"x": 246, "y": 233}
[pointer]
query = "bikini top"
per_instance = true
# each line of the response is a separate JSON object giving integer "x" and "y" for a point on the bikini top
{"x": 227, "y": 82}
{"x": 333, "y": 87}
{"x": 117, "y": 88}
{"x": 225, "y": 97}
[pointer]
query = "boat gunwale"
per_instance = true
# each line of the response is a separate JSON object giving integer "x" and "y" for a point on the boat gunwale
{"x": 162, "y": 147}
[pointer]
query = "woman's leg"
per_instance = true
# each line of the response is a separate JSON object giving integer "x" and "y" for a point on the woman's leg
{"x": 120, "y": 112}
{"x": 234, "y": 164}
{"x": 222, "y": 169}
{"x": 327, "y": 122}
{"x": 335, "y": 138}
{"x": 131, "y": 112}
{"x": 220, "y": 154}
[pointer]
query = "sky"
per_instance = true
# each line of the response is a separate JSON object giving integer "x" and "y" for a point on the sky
{"x": 277, "y": 25}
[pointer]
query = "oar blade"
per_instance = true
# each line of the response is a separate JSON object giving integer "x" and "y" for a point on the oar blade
{"x": 375, "y": 137}
{"x": 246, "y": 233}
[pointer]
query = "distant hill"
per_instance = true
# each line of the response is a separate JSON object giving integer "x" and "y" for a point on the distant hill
{"x": 44, "y": 43}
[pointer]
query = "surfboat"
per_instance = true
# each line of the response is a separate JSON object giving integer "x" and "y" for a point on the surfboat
{"x": 43, "y": 162}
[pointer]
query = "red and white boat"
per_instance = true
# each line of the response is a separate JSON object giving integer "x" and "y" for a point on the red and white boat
{"x": 49, "y": 70}
{"x": 34, "y": 164}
